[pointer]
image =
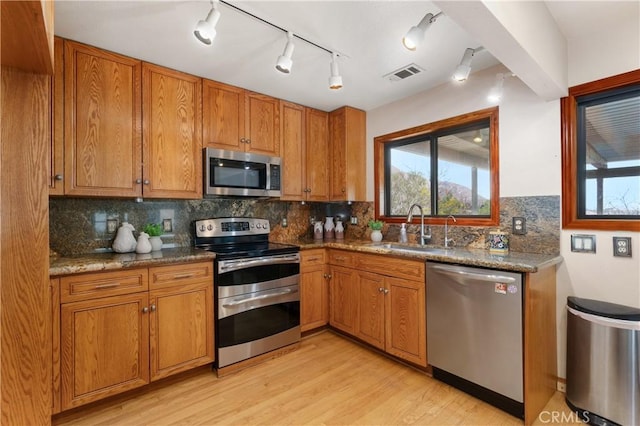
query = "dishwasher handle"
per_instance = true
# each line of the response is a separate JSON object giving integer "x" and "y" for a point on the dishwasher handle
{"x": 461, "y": 275}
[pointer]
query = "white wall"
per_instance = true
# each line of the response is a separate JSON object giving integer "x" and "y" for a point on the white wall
{"x": 530, "y": 162}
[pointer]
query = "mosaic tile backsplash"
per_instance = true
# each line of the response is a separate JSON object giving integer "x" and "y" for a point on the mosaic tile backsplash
{"x": 87, "y": 225}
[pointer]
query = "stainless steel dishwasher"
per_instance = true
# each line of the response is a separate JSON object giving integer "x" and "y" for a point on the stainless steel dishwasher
{"x": 474, "y": 332}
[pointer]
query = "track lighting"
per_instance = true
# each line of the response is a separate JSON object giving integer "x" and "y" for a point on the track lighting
{"x": 464, "y": 68}
{"x": 284, "y": 62}
{"x": 416, "y": 34}
{"x": 206, "y": 30}
{"x": 335, "y": 81}
{"x": 495, "y": 94}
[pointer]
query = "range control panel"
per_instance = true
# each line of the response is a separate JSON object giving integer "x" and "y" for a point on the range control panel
{"x": 231, "y": 227}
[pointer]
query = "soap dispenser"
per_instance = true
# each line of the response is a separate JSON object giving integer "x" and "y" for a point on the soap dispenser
{"x": 403, "y": 233}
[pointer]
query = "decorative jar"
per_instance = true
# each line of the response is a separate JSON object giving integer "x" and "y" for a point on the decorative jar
{"x": 329, "y": 228}
{"x": 339, "y": 230}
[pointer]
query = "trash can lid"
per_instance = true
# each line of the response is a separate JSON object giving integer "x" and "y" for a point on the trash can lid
{"x": 604, "y": 309}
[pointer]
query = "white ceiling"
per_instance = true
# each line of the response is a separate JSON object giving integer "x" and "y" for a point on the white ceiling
{"x": 367, "y": 33}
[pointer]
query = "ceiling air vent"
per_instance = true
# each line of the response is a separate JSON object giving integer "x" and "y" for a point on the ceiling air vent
{"x": 404, "y": 72}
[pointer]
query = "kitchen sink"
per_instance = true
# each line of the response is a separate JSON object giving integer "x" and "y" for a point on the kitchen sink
{"x": 408, "y": 248}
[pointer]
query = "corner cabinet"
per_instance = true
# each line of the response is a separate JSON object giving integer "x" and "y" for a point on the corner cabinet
{"x": 380, "y": 300}
{"x": 171, "y": 133}
{"x": 239, "y": 120}
{"x": 347, "y": 133}
{"x": 120, "y": 330}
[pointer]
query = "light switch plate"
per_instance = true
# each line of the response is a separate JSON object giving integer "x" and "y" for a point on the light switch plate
{"x": 622, "y": 246}
{"x": 112, "y": 225}
{"x": 583, "y": 243}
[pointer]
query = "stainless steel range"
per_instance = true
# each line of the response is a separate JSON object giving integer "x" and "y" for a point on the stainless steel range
{"x": 256, "y": 287}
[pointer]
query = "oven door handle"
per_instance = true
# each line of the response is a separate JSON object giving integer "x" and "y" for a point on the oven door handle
{"x": 233, "y": 265}
{"x": 260, "y": 297}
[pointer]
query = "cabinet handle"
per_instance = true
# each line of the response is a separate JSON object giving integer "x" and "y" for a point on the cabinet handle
{"x": 138, "y": 181}
{"x": 340, "y": 259}
{"x": 386, "y": 291}
{"x": 145, "y": 310}
{"x": 182, "y": 276}
{"x": 153, "y": 308}
{"x": 110, "y": 285}
{"x": 344, "y": 190}
{"x": 243, "y": 140}
{"x": 327, "y": 276}
{"x": 58, "y": 177}
{"x": 312, "y": 259}
{"x": 248, "y": 141}
{"x": 380, "y": 289}
{"x": 146, "y": 182}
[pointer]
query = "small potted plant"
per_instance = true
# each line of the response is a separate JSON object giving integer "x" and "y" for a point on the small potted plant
{"x": 376, "y": 228}
{"x": 154, "y": 230}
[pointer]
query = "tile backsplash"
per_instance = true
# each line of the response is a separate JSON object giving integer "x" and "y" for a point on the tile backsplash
{"x": 85, "y": 225}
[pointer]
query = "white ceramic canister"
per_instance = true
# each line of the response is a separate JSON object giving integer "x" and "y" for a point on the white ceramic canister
{"x": 318, "y": 231}
{"x": 339, "y": 230}
{"x": 143, "y": 245}
{"x": 125, "y": 242}
{"x": 329, "y": 228}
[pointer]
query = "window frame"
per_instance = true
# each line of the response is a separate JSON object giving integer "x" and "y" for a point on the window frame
{"x": 435, "y": 128}
{"x": 570, "y": 158}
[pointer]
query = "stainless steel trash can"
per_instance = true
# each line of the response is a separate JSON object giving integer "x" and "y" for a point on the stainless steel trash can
{"x": 603, "y": 361}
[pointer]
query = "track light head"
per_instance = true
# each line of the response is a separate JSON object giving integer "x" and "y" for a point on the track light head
{"x": 335, "y": 81}
{"x": 464, "y": 68}
{"x": 206, "y": 30}
{"x": 495, "y": 94}
{"x": 415, "y": 35}
{"x": 285, "y": 62}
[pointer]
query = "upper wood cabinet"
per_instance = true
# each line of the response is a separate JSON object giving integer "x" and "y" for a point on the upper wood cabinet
{"x": 240, "y": 120}
{"x": 103, "y": 122}
{"x": 347, "y": 133}
{"x": 56, "y": 154}
{"x": 172, "y": 133}
{"x": 130, "y": 129}
{"x": 317, "y": 155}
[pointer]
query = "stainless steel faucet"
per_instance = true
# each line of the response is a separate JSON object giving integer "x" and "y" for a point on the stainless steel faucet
{"x": 423, "y": 237}
{"x": 447, "y": 240}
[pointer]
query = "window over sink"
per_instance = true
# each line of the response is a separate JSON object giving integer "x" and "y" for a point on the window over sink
{"x": 448, "y": 167}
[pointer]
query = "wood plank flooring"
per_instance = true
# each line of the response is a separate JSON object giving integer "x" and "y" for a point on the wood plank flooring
{"x": 329, "y": 381}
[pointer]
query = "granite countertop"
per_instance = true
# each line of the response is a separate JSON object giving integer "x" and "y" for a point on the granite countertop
{"x": 95, "y": 262}
{"x": 513, "y": 261}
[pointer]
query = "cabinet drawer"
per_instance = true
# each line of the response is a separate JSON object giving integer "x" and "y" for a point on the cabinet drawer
{"x": 391, "y": 266}
{"x": 342, "y": 258}
{"x": 166, "y": 276}
{"x": 312, "y": 257}
{"x": 90, "y": 286}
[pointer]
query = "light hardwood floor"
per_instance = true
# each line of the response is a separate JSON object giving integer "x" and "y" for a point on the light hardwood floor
{"x": 330, "y": 380}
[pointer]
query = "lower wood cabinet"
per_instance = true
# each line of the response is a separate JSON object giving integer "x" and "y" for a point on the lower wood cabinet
{"x": 122, "y": 329}
{"x": 314, "y": 290}
{"x": 381, "y": 301}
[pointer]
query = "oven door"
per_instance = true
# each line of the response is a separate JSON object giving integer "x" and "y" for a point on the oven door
{"x": 258, "y": 308}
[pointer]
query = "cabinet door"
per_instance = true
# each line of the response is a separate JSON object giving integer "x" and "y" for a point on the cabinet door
{"x": 102, "y": 136}
{"x": 262, "y": 129}
{"x": 181, "y": 328}
{"x": 348, "y": 149}
{"x": 317, "y": 155}
{"x": 56, "y": 155}
{"x": 343, "y": 294}
{"x": 371, "y": 300}
{"x": 406, "y": 335}
{"x": 104, "y": 347}
{"x": 314, "y": 290}
{"x": 172, "y": 133}
{"x": 223, "y": 116}
{"x": 292, "y": 147}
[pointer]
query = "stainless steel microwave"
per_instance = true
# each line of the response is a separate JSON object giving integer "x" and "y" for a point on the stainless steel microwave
{"x": 240, "y": 174}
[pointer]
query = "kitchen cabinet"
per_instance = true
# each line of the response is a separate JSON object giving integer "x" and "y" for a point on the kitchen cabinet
{"x": 56, "y": 153}
{"x": 387, "y": 299}
{"x": 305, "y": 153}
{"x": 120, "y": 330}
{"x": 171, "y": 133}
{"x": 314, "y": 290}
{"x": 130, "y": 129}
{"x": 347, "y": 135}
{"x": 181, "y": 318}
{"x": 239, "y": 120}
{"x": 103, "y": 122}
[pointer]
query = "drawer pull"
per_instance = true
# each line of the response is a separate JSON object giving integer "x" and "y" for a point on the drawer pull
{"x": 313, "y": 259}
{"x": 340, "y": 258}
{"x": 181, "y": 276}
{"x": 110, "y": 285}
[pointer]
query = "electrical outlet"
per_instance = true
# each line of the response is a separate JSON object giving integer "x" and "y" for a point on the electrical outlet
{"x": 354, "y": 220}
{"x": 112, "y": 225}
{"x": 622, "y": 246}
{"x": 519, "y": 226}
{"x": 167, "y": 225}
{"x": 283, "y": 222}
